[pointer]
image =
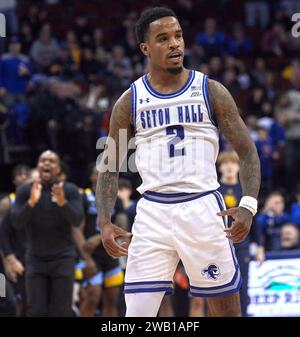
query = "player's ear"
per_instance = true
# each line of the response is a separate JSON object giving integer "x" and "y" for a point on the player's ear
{"x": 144, "y": 49}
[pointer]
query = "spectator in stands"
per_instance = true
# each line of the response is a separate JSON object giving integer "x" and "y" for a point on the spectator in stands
{"x": 97, "y": 41}
{"x": 89, "y": 65}
{"x": 15, "y": 69}
{"x": 216, "y": 68}
{"x": 267, "y": 154}
{"x": 63, "y": 66}
{"x": 291, "y": 70}
{"x": 251, "y": 122}
{"x": 258, "y": 104}
{"x": 211, "y": 39}
{"x": 120, "y": 68}
{"x": 259, "y": 71}
{"x": 45, "y": 49}
{"x": 270, "y": 221}
{"x": 290, "y": 237}
{"x": 26, "y": 37}
{"x": 243, "y": 78}
{"x": 20, "y": 174}
{"x": 275, "y": 41}
{"x": 277, "y": 135}
{"x": 289, "y": 107}
{"x": 74, "y": 47}
{"x": 131, "y": 51}
{"x": 257, "y": 13}
{"x": 196, "y": 56}
{"x": 83, "y": 31}
{"x": 295, "y": 209}
{"x": 238, "y": 43}
{"x": 36, "y": 18}
{"x": 230, "y": 81}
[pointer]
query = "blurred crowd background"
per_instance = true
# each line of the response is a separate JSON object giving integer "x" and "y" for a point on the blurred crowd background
{"x": 64, "y": 63}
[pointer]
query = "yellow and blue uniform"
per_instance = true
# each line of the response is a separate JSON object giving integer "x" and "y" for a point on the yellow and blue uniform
{"x": 109, "y": 273}
{"x": 12, "y": 198}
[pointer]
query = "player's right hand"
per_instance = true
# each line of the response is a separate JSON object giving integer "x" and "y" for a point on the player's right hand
{"x": 35, "y": 193}
{"x": 110, "y": 233}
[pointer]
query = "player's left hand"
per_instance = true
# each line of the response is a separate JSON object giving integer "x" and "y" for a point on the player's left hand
{"x": 241, "y": 224}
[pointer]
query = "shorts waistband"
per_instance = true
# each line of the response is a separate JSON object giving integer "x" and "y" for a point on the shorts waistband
{"x": 173, "y": 198}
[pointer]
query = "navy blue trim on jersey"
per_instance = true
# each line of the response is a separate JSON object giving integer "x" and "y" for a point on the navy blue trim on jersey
{"x": 167, "y": 195}
{"x": 157, "y": 94}
{"x": 173, "y": 198}
{"x": 207, "y": 101}
{"x": 147, "y": 287}
{"x": 133, "y": 104}
{"x": 220, "y": 202}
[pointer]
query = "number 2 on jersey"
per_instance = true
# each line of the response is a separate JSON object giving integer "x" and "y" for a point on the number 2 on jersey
{"x": 178, "y": 130}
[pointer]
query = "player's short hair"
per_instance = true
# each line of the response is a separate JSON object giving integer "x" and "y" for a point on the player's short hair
{"x": 20, "y": 169}
{"x": 124, "y": 183}
{"x": 147, "y": 16}
{"x": 227, "y": 156}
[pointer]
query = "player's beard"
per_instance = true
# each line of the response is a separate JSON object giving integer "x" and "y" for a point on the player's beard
{"x": 175, "y": 71}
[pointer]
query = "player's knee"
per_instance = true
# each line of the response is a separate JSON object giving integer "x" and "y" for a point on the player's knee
{"x": 111, "y": 296}
{"x": 92, "y": 295}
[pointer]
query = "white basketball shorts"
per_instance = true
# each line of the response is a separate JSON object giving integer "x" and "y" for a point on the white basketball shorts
{"x": 170, "y": 227}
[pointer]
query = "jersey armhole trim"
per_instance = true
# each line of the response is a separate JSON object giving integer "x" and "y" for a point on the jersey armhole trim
{"x": 133, "y": 105}
{"x": 207, "y": 101}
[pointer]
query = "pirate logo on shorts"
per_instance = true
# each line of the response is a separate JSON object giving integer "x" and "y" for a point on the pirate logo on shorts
{"x": 212, "y": 272}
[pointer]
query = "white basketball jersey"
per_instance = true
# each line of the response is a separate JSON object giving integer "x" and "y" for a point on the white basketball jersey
{"x": 177, "y": 140}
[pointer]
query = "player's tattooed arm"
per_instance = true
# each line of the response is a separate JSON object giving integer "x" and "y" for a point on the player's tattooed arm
{"x": 235, "y": 131}
{"x": 107, "y": 184}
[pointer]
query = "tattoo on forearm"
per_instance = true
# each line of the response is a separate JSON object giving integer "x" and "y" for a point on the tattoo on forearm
{"x": 107, "y": 189}
{"x": 236, "y": 132}
{"x": 107, "y": 184}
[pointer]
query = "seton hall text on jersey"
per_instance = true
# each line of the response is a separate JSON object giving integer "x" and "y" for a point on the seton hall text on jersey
{"x": 181, "y": 114}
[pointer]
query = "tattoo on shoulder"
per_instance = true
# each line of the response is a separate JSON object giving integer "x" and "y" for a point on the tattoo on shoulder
{"x": 229, "y": 121}
{"x": 121, "y": 116}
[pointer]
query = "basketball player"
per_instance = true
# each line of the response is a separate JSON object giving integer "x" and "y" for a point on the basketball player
{"x": 177, "y": 114}
{"x": 108, "y": 276}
